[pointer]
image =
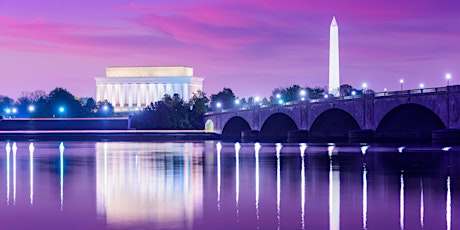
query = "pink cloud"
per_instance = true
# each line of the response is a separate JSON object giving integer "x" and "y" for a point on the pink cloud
{"x": 278, "y": 42}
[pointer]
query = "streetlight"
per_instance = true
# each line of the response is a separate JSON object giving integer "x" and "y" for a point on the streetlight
{"x": 303, "y": 93}
{"x": 14, "y": 110}
{"x": 401, "y": 82}
{"x": 61, "y": 109}
{"x": 280, "y": 101}
{"x": 422, "y": 86}
{"x": 353, "y": 93}
{"x": 278, "y": 95}
{"x": 256, "y": 100}
{"x": 105, "y": 107}
{"x": 31, "y": 108}
{"x": 448, "y": 77}
{"x": 219, "y": 105}
{"x": 364, "y": 87}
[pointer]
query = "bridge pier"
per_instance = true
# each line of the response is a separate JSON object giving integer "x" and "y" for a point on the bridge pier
{"x": 361, "y": 136}
{"x": 297, "y": 136}
{"x": 446, "y": 136}
{"x": 250, "y": 136}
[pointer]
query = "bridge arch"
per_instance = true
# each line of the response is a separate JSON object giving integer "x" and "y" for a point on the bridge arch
{"x": 233, "y": 127}
{"x": 276, "y": 127}
{"x": 410, "y": 122}
{"x": 332, "y": 125}
{"x": 209, "y": 125}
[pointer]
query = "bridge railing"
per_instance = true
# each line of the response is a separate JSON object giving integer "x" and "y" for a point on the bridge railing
{"x": 367, "y": 95}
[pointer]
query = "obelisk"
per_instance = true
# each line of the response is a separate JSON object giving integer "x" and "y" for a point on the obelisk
{"x": 334, "y": 76}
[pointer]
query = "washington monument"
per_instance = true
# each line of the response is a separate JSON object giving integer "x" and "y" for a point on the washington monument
{"x": 334, "y": 75}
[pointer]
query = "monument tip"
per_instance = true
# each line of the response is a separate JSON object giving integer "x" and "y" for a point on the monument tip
{"x": 334, "y": 22}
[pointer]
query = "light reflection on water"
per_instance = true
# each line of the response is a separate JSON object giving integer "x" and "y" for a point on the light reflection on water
{"x": 213, "y": 185}
{"x": 136, "y": 185}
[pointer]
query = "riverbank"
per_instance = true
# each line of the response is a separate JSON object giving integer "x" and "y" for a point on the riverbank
{"x": 107, "y": 135}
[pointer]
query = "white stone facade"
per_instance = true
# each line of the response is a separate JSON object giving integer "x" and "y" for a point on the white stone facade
{"x": 132, "y": 88}
{"x": 334, "y": 69}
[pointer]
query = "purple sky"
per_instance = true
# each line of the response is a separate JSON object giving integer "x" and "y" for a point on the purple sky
{"x": 250, "y": 46}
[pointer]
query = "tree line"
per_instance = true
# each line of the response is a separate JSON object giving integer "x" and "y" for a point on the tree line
{"x": 171, "y": 112}
{"x": 58, "y": 103}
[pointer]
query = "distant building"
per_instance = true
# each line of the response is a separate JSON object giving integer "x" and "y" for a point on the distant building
{"x": 131, "y": 88}
{"x": 334, "y": 69}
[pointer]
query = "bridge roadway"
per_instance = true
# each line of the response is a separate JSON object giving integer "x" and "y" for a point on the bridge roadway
{"x": 393, "y": 116}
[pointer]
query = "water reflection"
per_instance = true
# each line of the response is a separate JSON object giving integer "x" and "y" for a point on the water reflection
{"x": 422, "y": 205}
{"x": 278, "y": 183}
{"x": 31, "y": 169}
{"x": 237, "y": 180}
{"x": 303, "y": 147}
{"x": 334, "y": 195}
{"x": 401, "y": 201}
{"x": 257, "y": 147}
{"x": 364, "y": 196}
{"x": 448, "y": 206}
{"x": 8, "y": 150}
{"x": 219, "y": 149}
{"x": 61, "y": 173}
{"x": 15, "y": 149}
{"x": 163, "y": 187}
{"x": 116, "y": 185}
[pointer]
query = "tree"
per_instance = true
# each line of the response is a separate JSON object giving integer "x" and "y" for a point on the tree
{"x": 61, "y": 103}
{"x": 5, "y": 104}
{"x": 346, "y": 90}
{"x": 89, "y": 107}
{"x": 103, "y": 109}
{"x": 226, "y": 98}
{"x": 198, "y": 106}
{"x": 284, "y": 94}
{"x": 173, "y": 113}
{"x": 27, "y": 103}
{"x": 315, "y": 93}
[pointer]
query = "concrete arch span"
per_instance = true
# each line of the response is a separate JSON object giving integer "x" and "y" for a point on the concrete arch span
{"x": 233, "y": 128}
{"x": 332, "y": 125}
{"x": 276, "y": 127}
{"x": 408, "y": 122}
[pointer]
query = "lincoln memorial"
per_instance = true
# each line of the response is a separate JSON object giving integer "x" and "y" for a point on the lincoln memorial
{"x": 131, "y": 88}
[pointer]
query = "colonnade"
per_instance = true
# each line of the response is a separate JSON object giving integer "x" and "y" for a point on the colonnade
{"x": 139, "y": 94}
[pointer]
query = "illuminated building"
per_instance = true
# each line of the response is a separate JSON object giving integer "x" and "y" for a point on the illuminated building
{"x": 131, "y": 88}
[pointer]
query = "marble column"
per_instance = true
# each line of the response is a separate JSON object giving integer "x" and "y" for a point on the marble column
{"x": 130, "y": 94}
{"x": 138, "y": 95}
{"x": 152, "y": 93}
{"x": 169, "y": 89}
{"x": 109, "y": 92}
{"x": 161, "y": 91}
{"x": 185, "y": 93}
{"x": 98, "y": 92}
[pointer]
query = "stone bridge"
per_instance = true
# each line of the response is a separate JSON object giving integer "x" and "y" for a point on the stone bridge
{"x": 399, "y": 115}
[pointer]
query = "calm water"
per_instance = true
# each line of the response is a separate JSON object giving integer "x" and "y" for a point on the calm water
{"x": 209, "y": 185}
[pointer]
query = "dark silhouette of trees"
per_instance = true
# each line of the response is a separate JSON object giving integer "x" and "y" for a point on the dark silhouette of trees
{"x": 226, "y": 98}
{"x": 346, "y": 90}
{"x": 293, "y": 93}
{"x": 60, "y": 103}
{"x": 172, "y": 113}
{"x": 198, "y": 106}
{"x": 27, "y": 102}
{"x": 103, "y": 109}
{"x": 6, "y": 104}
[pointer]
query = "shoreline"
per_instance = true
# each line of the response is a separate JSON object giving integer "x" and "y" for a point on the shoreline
{"x": 108, "y": 135}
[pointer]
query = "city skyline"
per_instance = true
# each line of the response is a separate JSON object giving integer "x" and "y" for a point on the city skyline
{"x": 45, "y": 44}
